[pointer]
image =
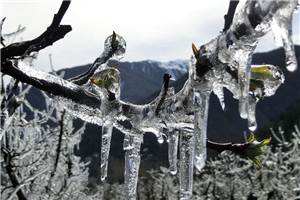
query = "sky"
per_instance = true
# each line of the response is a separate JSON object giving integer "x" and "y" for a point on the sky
{"x": 158, "y": 29}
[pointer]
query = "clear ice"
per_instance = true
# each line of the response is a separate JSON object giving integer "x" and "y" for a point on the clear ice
{"x": 185, "y": 113}
{"x": 132, "y": 145}
{"x": 172, "y": 151}
{"x": 105, "y": 147}
{"x": 187, "y": 144}
{"x": 201, "y": 104}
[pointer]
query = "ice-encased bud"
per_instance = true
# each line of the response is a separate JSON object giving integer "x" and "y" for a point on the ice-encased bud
{"x": 117, "y": 44}
{"x": 265, "y": 80}
{"x": 108, "y": 78}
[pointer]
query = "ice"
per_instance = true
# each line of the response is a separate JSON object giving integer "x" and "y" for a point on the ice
{"x": 105, "y": 148}
{"x": 185, "y": 113}
{"x": 252, "y": 125}
{"x": 201, "y": 103}
{"x": 160, "y": 139}
{"x": 218, "y": 91}
{"x": 187, "y": 144}
{"x": 282, "y": 29}
{"x": 118, "y": 42}
{"x": 132, "y": 145}
{"x": 172, "y": 151}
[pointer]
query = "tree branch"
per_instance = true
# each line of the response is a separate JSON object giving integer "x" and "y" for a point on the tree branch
{"x": 58, "y": 148}
{"x": 12, "y": 176}
{"x": 53, "y": 33}
{"x": 230, "y": 14}
{"x": 52, "y": 84}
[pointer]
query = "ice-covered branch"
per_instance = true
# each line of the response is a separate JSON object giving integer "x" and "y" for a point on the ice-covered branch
{"x": 51, "y": 84}
{"x": 231, "y": 52}
{"x": 114, "y": 45}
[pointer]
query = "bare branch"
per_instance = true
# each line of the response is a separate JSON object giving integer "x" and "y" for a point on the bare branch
{"x": 53, "y": 33}
{"x": 230, "y": 14}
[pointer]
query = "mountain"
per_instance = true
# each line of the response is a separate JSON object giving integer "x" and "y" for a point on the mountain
{"x": 141, "y": 82}
{"x": 139, "y": 79}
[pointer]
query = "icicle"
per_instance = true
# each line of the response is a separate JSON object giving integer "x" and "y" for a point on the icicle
{"x": 201, "y": 104}
{"x": 105, "y": 148}
{"x": 252, "y": 125}
{"x": 282, "y": 28}
{"x": 172, "y": 151}
{"x": 218, "y": 91}
{"x": 160, "y": 139}
{"x": 187, "y": 145}
{"x": 132, "y": 145}
{"x": 244, "y": 75}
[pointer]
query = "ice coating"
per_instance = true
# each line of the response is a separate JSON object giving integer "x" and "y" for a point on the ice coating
{"x": 105, "y": 148}
{"x": 115, "y": 41}
{"x": 229, "y": 63}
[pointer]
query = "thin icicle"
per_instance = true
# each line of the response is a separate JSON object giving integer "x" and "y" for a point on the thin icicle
{"x": 105, "y": 148}
{"x": 172, "y": 151}
{"x": 219, "y": 92}
{"x": 201, "y": 104}
{"x": 132, "y": 145}
{"x": 252, "y": 125}
{"x": 244, "y": 75}
{"x": 187, "y": 146}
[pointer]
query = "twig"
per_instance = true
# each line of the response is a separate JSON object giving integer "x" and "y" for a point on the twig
{"x": 25, "y": 182}
{"x": 230, "y": 14}
{"x": 53, "y": 33}
{"x": 12, "y": 176}
{"x": 58, "y": 149}
{"x": 237, "y": 148}
{"x": 163, "y": 93}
